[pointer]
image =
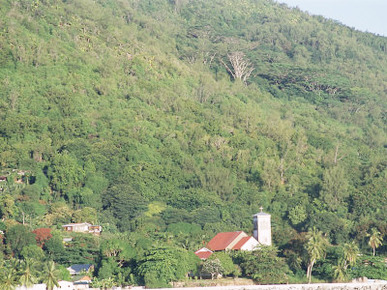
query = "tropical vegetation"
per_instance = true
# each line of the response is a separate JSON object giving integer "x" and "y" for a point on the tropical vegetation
{"x": 166, "y": 122}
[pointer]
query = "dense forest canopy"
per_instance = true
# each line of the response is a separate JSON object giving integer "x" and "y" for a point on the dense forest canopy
{"x": 184, "y": 117}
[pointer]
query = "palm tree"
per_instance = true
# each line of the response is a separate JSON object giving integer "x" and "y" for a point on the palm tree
{"x": 108, "y": 283}
{"x": 8, "y": 278}
{"x": 351, "y": 252}
{"x": 375, "y": 240}
{"x": 50, "y": 275}
{"x": 27, "y": 272}
{"x": 315, "y": 246}
{"x": 340, "y": 271}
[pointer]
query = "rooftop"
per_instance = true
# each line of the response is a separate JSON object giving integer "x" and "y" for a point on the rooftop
{"x": 203, "y": 253}
{"x": 222, "y": 240}
{"x": 240, "y": 244}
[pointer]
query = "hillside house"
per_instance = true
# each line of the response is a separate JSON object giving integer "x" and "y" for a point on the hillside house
{"x": 83, "y": 228}
{"x": 80, "y": 268}
{"x": 82, "y": 283}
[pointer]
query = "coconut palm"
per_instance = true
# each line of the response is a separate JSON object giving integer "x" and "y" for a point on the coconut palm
{"x": 375, "y": 240}
{"x": 50, "y": 275}
{"x": 27, "y": 274}
{"x": 8, "y": 278}
{"x": 351, "y": 252}
{"x": 339, "y": 271}
{"x": 315, "y": 246}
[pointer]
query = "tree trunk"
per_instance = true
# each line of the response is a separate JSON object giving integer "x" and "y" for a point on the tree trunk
{"x": 309, "y": 271}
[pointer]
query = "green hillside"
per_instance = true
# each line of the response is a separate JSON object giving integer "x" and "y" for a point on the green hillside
{"x": 169, "y": 121}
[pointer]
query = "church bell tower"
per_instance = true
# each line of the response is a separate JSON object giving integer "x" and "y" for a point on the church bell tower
{"x": 262, "y": 227}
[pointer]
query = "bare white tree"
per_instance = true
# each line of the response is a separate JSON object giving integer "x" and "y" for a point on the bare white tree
{"x": 241, "y": 68}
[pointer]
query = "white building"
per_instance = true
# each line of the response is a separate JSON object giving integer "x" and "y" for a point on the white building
{"x": 262, "y": 228}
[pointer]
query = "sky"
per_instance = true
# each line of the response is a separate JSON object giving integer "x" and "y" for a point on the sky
{"x": 363, "y": 15}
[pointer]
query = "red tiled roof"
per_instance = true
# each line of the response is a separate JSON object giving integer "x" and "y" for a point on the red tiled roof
{"x": 222, "y": 240}
{"x": 240, "y": 244}
{"x": 203, "y": 253}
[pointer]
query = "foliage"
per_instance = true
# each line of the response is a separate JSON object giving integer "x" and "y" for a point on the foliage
{"x": 54, "y": 247}
{"x": 161, "y": 265}
{"x": 32, "y": 252}
{"x": 315, "y": 246}
{"x": 18, "y": 237}
{"x": 139, "y": 117}
{"x": 375, "y": 240}
{"x": 226, "y": 263}
{"x": 42, "y": 235}
{"x": 213, "y": 267}
{"x": 263, "y": 265}
{"x": 8, "y": 278}
{"x": 28, "y": 276}
{"x": 50, "y": 275}
{"x": 63, "y": 273}
{"x": 372, "y": 267}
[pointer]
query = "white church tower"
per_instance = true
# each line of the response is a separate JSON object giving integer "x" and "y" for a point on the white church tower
{"x": 262, "y": 227}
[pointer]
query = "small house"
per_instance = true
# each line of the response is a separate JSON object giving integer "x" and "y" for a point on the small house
{"x": 83, "y": 228}
{"x": 82, "y": 283}
{"x": 80, "y": 268}
{"x": 65, "y": 285}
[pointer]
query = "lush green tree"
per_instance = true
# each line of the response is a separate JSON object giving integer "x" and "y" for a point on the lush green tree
{"x": 315, "y": 246}
{"x": 108, "y": 268}
{"x": 50, "y": 275}
{"x": 19, "y": 236}
{"x": 28, "y": 273}
{"x": 54, "y": 248}
{"x": 350, "y": 254}
{"x": 7, "y": 206}
{"x": 297, "y": 214}
{"x": 162, "y": 265}
{"x": 32, "y": 252}
{"x": 340, "y": 271}
{"x": 183, "y": 228}
{"x": 372, "y": 267}
{"x": 334, "y": 187}
{"x": 263, "y": 265}
{"x": 66, "y": 172}
{"x": 375, "y": 240}
{"x": 8, "y": 278}
{"x": 118, "y": 251}
{"x": 63, "y": 273}
{"x": 125, "y": 205}
{"x": 86, "y": 214}
{"x": 213, "y": 267}
{"x": 59, "y": 213}
{"x": 228, "y": 266}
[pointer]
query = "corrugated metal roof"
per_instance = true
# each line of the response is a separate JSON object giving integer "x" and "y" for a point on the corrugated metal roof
{"x": 203, "y": 253}
{"x": 222, "y": 240}
{"x": 240, "y": 244}
{"x": 76, "y": 224}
